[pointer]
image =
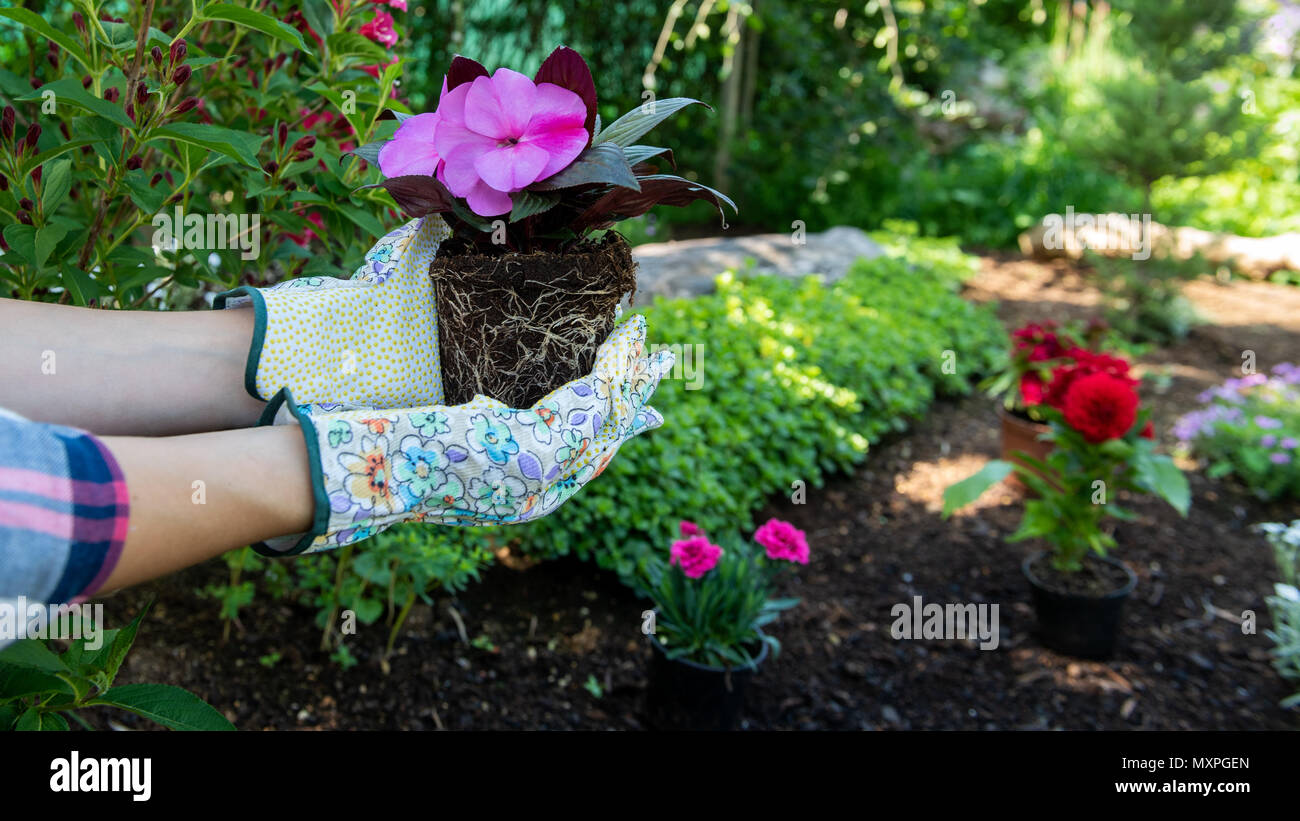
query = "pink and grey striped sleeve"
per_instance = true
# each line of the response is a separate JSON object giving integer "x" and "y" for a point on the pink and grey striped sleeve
{"x": 63, "y": 512}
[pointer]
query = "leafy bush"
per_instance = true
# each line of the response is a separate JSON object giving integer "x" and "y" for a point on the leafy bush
{"x": 1250, "y": 428}
{"x": 39, "y": 688}
{"x": 799, "y": 377}
{"x": 1144, "y": 299}
{"x": 223, "y": 111}
{"x": 1285, "y": 606}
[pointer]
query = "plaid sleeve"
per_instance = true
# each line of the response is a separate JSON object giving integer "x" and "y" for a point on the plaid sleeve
{"x": 63, "y": 512}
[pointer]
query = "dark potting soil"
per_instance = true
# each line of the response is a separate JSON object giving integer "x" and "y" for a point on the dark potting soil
{"x": 516, "y": 326}
{"x": 558, "y": 645}
{"x": 1096, "y": 578}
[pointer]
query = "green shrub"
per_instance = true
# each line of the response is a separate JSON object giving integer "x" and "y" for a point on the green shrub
{"x": 241, "y": 125}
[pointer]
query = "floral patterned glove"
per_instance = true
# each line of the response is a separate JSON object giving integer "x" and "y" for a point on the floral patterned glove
{"x": 369, "y": 341}
{"x": 480, "y": 463}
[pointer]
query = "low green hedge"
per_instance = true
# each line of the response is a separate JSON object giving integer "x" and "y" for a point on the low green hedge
{"x": 798, "y": 379}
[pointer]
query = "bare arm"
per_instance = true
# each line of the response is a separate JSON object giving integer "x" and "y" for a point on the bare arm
{"x": 255, "y": 485}
{"x": 150, "y": 373}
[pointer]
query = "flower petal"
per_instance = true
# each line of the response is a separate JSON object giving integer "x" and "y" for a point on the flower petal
{"x": 500, "y": 106}
{"x": 510, "y": 168}
{"x": 486, "y": 201}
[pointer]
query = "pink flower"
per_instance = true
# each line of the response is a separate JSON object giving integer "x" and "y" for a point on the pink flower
{"x": 690, "y": 529}
{"x": 783, "y": 541}
{"x": 411, "y": 151}
{"x": 380, "y": 29}
{"x": 695, "y": 555}
{"x": 502, "y": 133}
{"x": 400, "y": 5}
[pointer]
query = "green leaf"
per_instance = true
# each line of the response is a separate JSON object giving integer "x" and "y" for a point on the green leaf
{"x": 173, "y": 707}
{"x": 364, "y": 220}
{"x": 527, "y": 204}
{"x": 16, "y": 682}
{"x": 22, "y": 240}
{"x": 257, "y": 21}
{"x": 626, "y": 129}
{"x": 1163, "y": 477}
{"x": 640, "y": 153}
{"x": 319, "y": 16}
{"x": 47, "y": 237}
{"x": 351, "y": 44}
{"x": 39, "y": 25}
{"x": 120, "y": 36}
{"x": 602, "y": 164}
{"x": 972, "y": 487}
{"x": 34, "y": 654}
{"x": 56, "y": 151}
{"x": 33, "y": 720}
{"x": 69, "y": 90}
{"x": 238, "y": 145}
{"x": 55, "y": 185}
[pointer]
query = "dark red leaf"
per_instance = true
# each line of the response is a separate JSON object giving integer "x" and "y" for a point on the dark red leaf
{"x": 418, "y": 195}
{"x": 625, "y": 203}
{"x": 463, "y": 70}
{"x": 566, "y": 68}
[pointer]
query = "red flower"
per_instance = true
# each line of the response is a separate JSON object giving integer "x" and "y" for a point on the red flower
{"x": 1148, "y": 431}
{"x": 1100, "y": 406}
{"x": 1032, "y": 388}
{"x": 380, "y": 29}
{"x": 1085, "y": 363}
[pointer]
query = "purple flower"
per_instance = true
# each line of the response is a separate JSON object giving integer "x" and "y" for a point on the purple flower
{"x": 1280, "y": 458}
{"x": 1289, "y": 443}
{"x": 1268, "y": 440}
{"x": 1268, "y": 422}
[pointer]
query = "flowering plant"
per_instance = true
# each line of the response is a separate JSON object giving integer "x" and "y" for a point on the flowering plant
{"x": 1285, "y": 605}
{"x": 1040, "y": 353}
{"x": 188, "y": 146}
{"x": 1250, "y": 428}
{"x": 1102, "y": 443}
{"x": 712, "y": 602}
{"x": 531, "y": 153}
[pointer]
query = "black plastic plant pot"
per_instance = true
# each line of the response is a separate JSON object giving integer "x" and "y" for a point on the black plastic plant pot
{"x": 1079, "y": 625}
{"x": 685, "y": 695}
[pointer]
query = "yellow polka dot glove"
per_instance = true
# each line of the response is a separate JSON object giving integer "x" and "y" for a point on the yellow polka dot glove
{"x": 480, "y": 463}
{"x": 369, "y": 341}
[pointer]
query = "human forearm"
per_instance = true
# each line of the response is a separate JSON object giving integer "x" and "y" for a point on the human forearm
{"x": 126, "y": 372}
{"x": 255, "y": 485}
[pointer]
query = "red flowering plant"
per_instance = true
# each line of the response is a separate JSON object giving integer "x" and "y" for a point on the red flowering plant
{"x": 1040, "y": 351}
{"x": 711, "y": 602}
{"x": 1103, "y": 444}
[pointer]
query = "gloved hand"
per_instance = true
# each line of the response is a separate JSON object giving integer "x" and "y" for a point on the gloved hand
{"x": 480, "y": 463}
{"x": 369, "y": 341}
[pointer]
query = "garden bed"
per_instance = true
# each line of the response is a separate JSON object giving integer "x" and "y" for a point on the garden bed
{"x": 557, "y": 644}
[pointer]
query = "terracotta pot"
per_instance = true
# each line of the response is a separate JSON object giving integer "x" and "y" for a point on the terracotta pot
{"x": 1019, "y": 433}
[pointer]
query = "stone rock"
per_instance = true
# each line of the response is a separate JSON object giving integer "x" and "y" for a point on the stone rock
{"x": 688, "y": 267}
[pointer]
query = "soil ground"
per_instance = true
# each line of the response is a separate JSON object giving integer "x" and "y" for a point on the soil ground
{"x": 565, "y": 650}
